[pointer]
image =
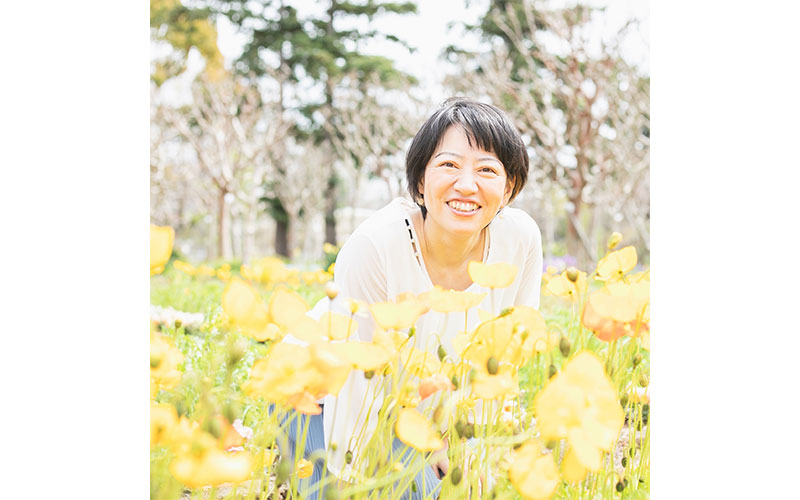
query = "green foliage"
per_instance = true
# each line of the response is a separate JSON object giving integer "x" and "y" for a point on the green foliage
{"x": 184, "y": 28}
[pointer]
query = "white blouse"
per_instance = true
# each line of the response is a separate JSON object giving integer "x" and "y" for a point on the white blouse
{"x": 381, "y": 260}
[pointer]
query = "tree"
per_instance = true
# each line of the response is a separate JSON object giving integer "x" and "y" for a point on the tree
{"x": 315, "y": 52}
{"x": 183, "y": 28}
{"x": 231, "y": 130}
{"x": 586, "y": 115}
{"x": 369, "y": 131}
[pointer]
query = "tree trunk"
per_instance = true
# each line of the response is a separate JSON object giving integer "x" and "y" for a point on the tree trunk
{"x": 282, "y": 238}
{"x": 330, "y": 210}
{"x": 578, "y": 244}
{"x": 249, "y": 247}
{"x": 221, "y": 229}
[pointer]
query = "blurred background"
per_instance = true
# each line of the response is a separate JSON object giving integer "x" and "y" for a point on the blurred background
{"x": 278, "y": 126}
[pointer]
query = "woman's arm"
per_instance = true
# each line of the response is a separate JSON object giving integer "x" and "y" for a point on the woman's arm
{"x": 531, "y": 281}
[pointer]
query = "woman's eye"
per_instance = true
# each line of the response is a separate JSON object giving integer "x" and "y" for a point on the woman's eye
{"x": 488, "y": 170}
{"x": 448, "y": 164}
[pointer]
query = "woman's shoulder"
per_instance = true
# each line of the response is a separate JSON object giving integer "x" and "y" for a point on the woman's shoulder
{"x": 517, "y": 223}
{"x": 386, "y": 226}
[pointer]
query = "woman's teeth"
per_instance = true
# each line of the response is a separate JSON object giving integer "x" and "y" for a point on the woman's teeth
{"x": 462, "y": 206}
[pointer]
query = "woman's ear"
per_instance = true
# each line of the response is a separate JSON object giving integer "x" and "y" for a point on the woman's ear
{"x": 421, "y": 191}
{"x": 507, "y": 194}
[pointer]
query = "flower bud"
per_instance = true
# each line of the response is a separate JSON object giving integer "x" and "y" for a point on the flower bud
{"x": 237, "y": 352}
{"x": 438, "y": 414}
{"x": 454, "y": 380}
{"x": 623, "y": 401}
{"x": 155, "y": 361}
{"x": 551, "y": 371}
{"x": 572, "y": 274}
{"x": 412, "y": 331}
{"x": 455, "y": 475}
{"x": 469, "y": 431}
{"x": 637, "y": 359}
{"x": 369, "y": 374}
{"x": 613, "y": 240}
{"x": 441, "y": 352}
{"x": 413, "y": 487}
{"x": 492, "y": 365}
{"x": 331, "y": 290}
{"x": 620, "y": 486}
{"x": 564, "y": 346}
{"x": 506, "y": 311}
{"x": 348, "y": 457}
{"x": 461, "y": 429}
{"x": 178, "y": 323}
{"x": 471, "y": 375}
{"x": 334, "y": 446}
{"x": 283, "y": 471}
{"x": 644, "y": 380}
{"x": 624, "y": 461}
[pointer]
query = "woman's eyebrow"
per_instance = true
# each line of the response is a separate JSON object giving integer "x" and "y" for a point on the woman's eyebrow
{"x": 485, "y": 158}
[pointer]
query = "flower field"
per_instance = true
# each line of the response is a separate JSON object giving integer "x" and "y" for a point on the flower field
{"x": 548, "y": 403}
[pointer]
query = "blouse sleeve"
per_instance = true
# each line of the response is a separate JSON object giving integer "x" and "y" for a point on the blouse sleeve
{"x": 531, "y": 282}
{"x": 359, "y": 274}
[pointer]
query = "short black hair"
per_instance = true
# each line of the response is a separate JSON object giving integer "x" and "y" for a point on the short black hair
{"x": 485, "y": 125}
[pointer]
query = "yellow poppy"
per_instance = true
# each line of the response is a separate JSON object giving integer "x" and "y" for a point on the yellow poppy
{"x": 420, "y": 363}
{"x": 572, "y": 470}
{"x": 362, "y": 355}
{"x": 162, "y": 418}
{"x": 614, "y": 265}
{"x": 498, "y": 275}
{"x": 161, "y": 240}
{"x": 435, "y": 383}
{"x": 617, "y": 309}
{"x": 269, "y": 270}
{"x": 304, "y": 402}
{"x": 243, "y": 305}
{"x": 399, "y": 314}
{"x": 503, "y": 384}
{"x": 561, "y": 286}
{"x": 414, "y": 430}
{"x": 184, "y": 267}
{"x": 534, "y": 329}
{"x": 447, "y": 301}
{"x": 331, "y": 367}
{"x": 581, "y": 405}
{"x": 211, "y": 467}
{"x": 286, "y": 307}
{"x": 164, "y": 361}
{"x": 282, "y": 374}
{"x": 338, "y": 326}
{"x": 206, "y": 270}
{"x": 305, "y": 468}
{"x": 533, "y": 474}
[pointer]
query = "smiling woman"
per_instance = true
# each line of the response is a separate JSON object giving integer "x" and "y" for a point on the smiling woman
{"x": 464, "y": 166}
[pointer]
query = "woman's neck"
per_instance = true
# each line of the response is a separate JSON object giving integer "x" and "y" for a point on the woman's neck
{"x": 448, "y": 251}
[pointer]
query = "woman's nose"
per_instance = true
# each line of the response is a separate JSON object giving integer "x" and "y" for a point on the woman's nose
{"x": 466, "y": 181}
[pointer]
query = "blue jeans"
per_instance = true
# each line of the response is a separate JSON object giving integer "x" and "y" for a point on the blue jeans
{"x": 315, "y": 441}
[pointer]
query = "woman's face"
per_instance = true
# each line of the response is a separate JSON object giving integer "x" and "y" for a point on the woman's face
{"x": 463, "y": 187}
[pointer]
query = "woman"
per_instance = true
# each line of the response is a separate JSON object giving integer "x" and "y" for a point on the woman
{"x": 464, "y": 166}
